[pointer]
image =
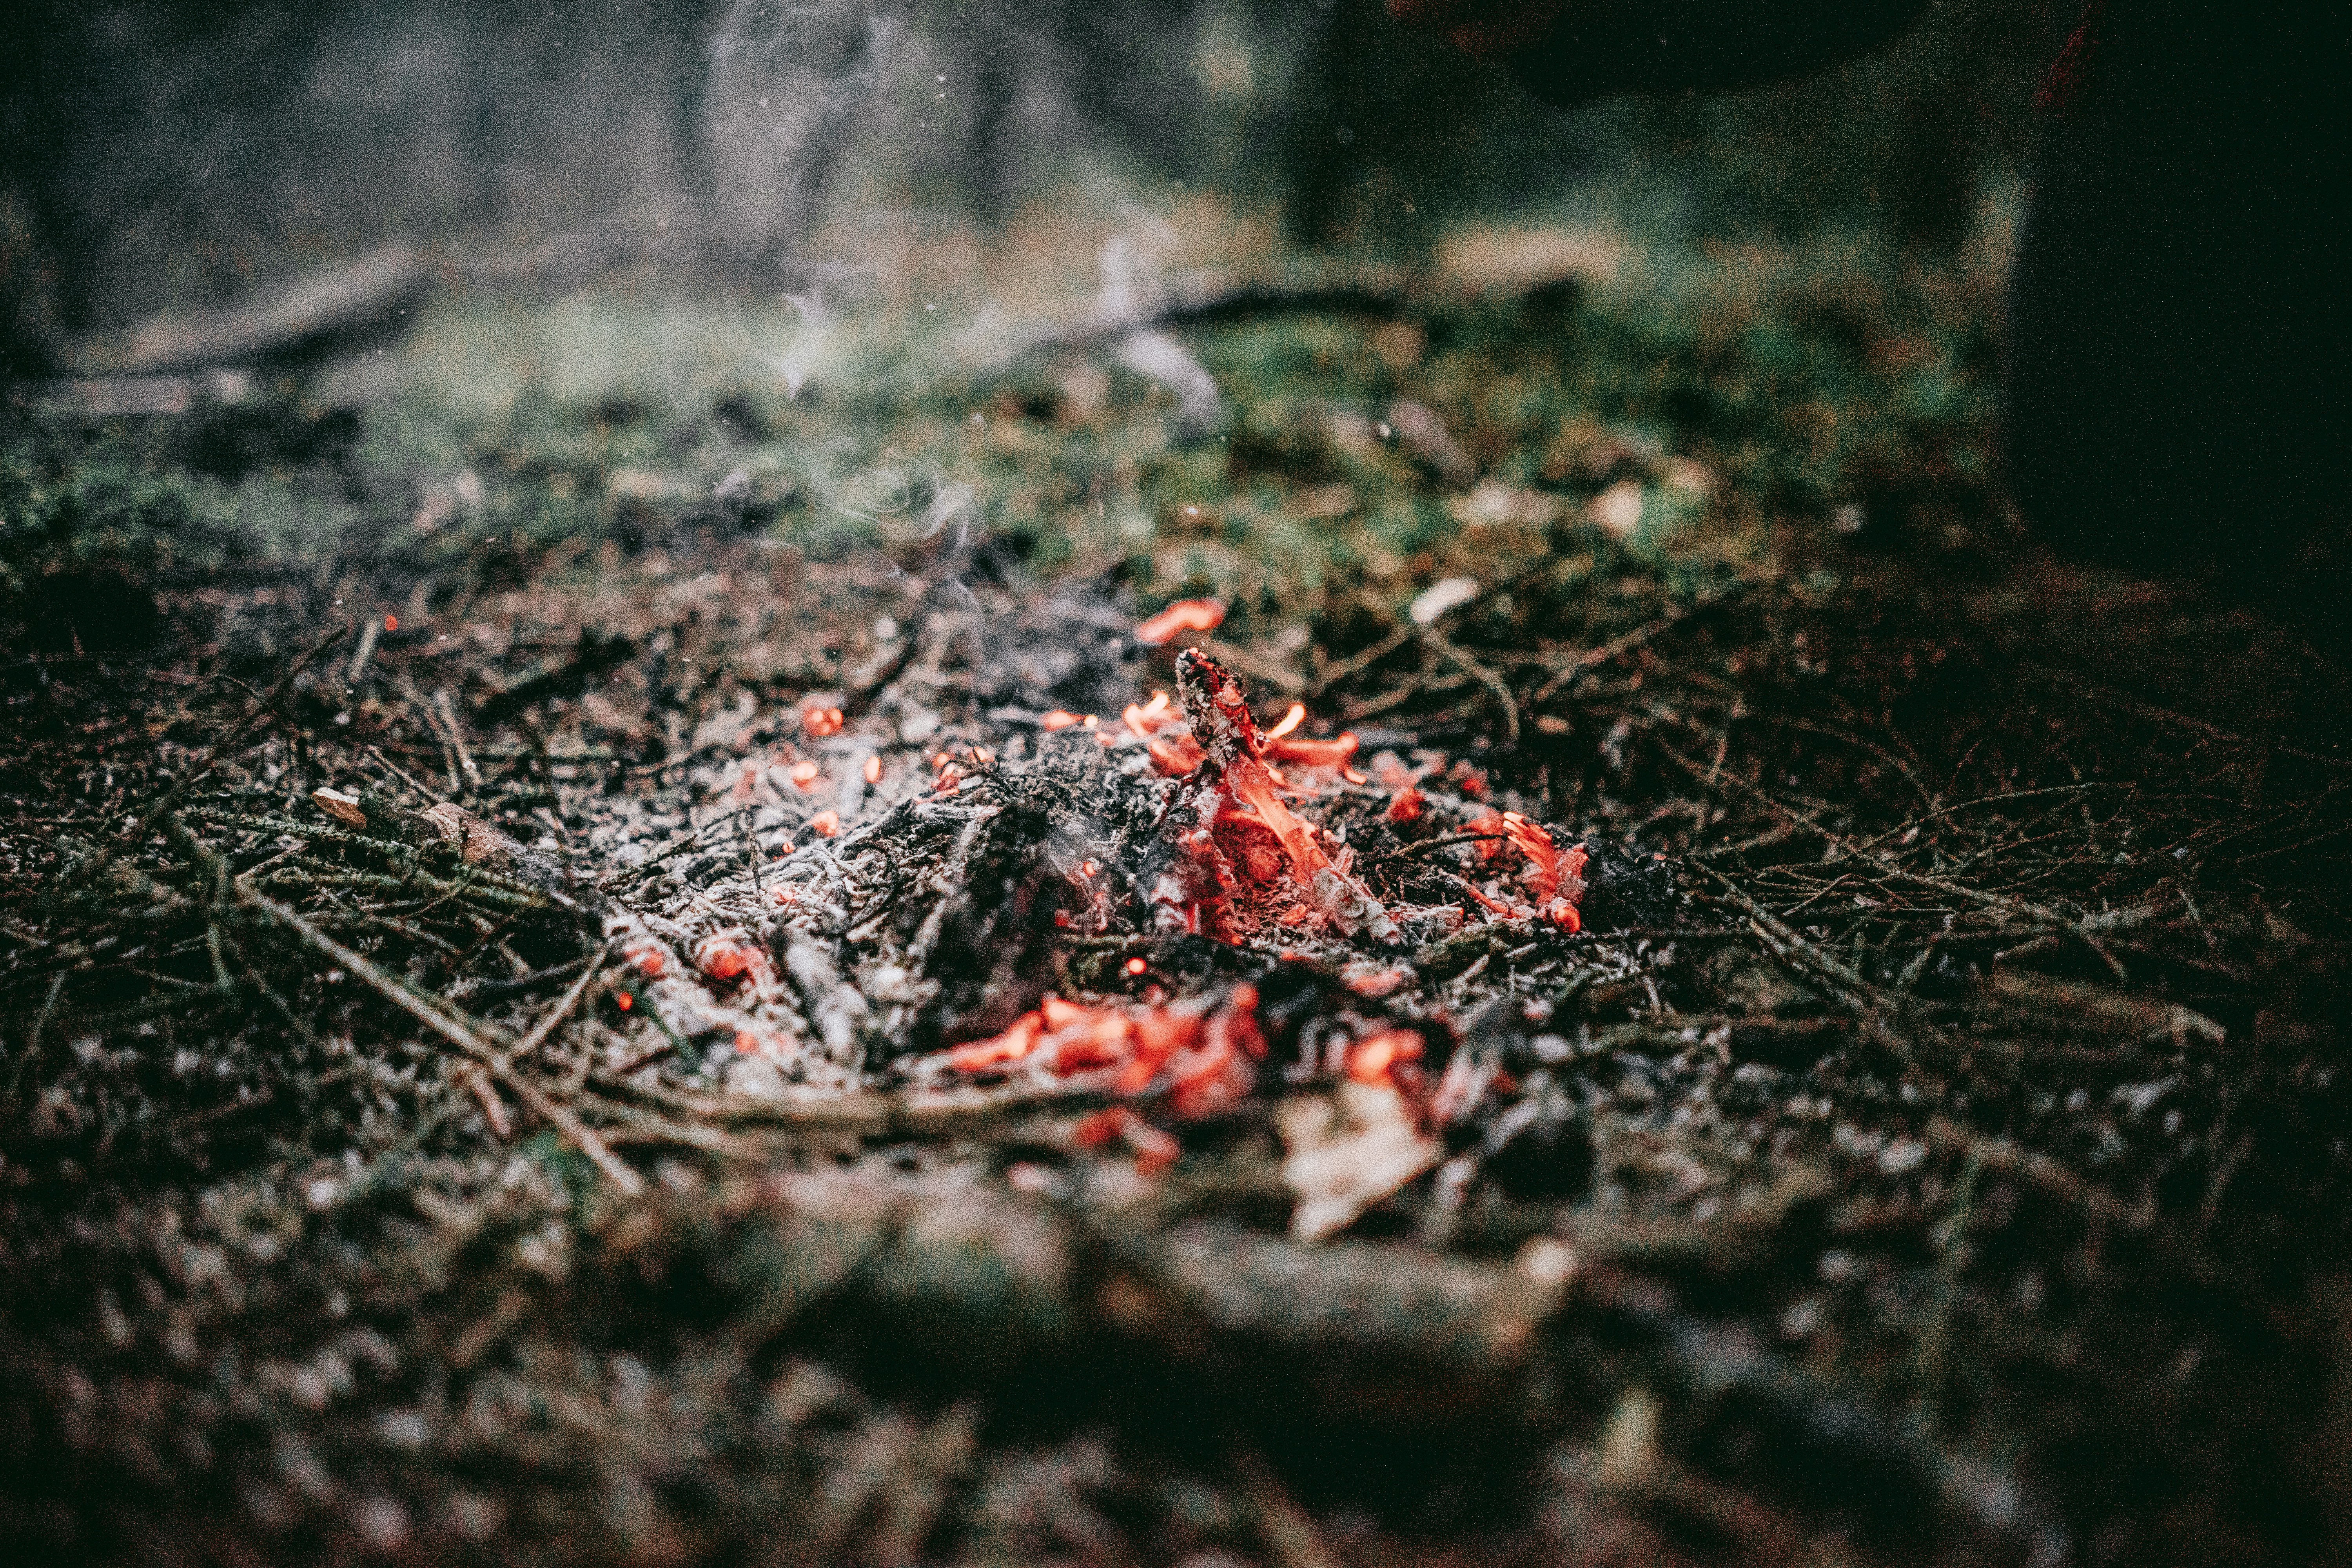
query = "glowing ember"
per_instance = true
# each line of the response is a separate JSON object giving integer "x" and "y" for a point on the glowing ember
{"x": 392, "y": 623}
{"x": 1221, "y": 721}
{"x": 819, "y": 723}
{"x": 1183, "y": 615}
{"x": 1371, "y": 1059}
{"x": 1148, "y": 719}
{"x": 1204, "y": 1056}
{"x": 1331, "y": 753}
{"x": 1173, "y": 756}
{"x": 805, "y": 775}
{"x": 1061, "y": 719}
{"x": 1555, "y": 877}
{"x": 1407, "y": 805}
{"x": 728, "y": 955}
{"x": 624, "y": 1001}
{"x": 1137, "y": 967}
{"x": 646, "y": 955}
{"x": 874, "y": 770}
{"x": 1155, "y": 1150}
{"x": 825, "y": 824}
{"x": 1368, "y": 980}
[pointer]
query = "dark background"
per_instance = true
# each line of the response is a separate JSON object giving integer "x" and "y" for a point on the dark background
{"x": 171, "y": 154}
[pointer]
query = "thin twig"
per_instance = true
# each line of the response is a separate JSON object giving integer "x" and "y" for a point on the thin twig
{"x": 555, "y": 1015}
{"x": 458, "y": 1032}
{"x": 1483, "y": 674}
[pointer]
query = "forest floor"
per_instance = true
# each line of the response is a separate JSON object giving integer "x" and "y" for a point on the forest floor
{"x": 611, "y": 954}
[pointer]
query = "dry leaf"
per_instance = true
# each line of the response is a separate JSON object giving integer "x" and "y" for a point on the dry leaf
{"x": 1346, "y": 1153}
{"x": 344, "y": 808}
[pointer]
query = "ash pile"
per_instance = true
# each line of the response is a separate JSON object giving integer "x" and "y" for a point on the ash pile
{"x": 1157, "y": 911}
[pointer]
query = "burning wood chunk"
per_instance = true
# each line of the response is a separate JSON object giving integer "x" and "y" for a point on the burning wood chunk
{"x": 1555, "y": 877}
{"x": 1373, "y": 1059}
{"x": 1221, "y": 722}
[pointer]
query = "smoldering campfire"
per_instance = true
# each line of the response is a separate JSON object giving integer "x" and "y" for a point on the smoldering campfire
{"x": 1247, "y": 867}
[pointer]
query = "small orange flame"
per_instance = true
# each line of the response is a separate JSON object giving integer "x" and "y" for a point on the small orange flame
{"x": 1290, "y": 721}
{"x": 874, "y": 770}
{"x": 1331, "y": 753}
{"x": 1060, "y": 719}
{"x": 821, "y": 722}
{"x": 1183, "y": 615}
{"x": 825, "y": 824}
{"x": 805, "y": 775}
{"x": 1176, "y": 755}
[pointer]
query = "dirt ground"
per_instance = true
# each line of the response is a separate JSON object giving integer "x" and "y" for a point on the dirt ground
{"x": 640, "y": 967}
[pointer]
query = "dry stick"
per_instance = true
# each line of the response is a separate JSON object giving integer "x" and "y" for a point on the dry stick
{"x": 417, "y": 699}
{"x": 2123, "y": 703}
{"x": 1481, "y": 673}
{"x": 1271, "y": 671}
{"x": 1361, "y": 660}
{"x": 404, "y": 775}
{"x": 369, "y": 631}
{"x": 2052, "y": 919}
{"x": 563, "y": 1008}
{"x": 458, "y": 1032}
{"x": 1626, "y": 642}
{"x": 1290, "y": 1536}
{"x": 1857, "y": 994}
{"x": 2003, "y": 799}
{"x": 213, "y": 754}
{"x": 494, "y": 1109}
{"x": 457, "y": 737}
